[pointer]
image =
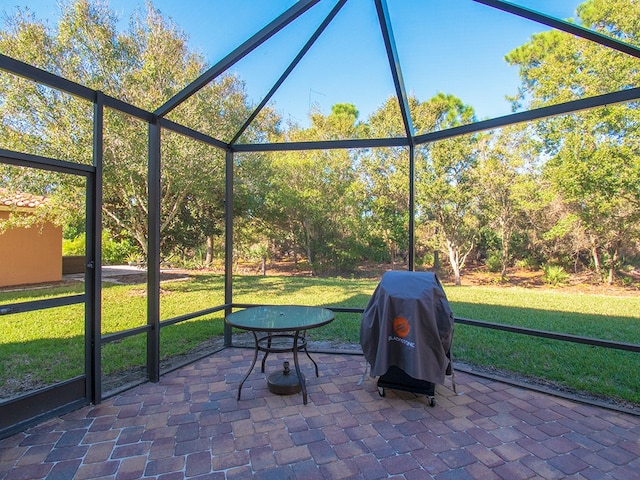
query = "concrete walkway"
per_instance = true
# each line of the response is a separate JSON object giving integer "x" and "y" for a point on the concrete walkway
{"x": 190, "y": 425}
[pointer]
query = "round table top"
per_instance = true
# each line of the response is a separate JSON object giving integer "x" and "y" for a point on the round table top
{"x": 278, "y": 318}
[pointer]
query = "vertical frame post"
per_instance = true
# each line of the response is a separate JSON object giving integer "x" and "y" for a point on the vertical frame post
{"x": 93, "y": 260}
{"x": 228, "y": 243}
{"x": 153, "y": 254}
{"x": 412, "y": 207}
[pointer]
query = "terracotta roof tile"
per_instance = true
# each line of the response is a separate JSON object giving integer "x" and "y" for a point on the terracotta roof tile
{"x": 19, "y": 199}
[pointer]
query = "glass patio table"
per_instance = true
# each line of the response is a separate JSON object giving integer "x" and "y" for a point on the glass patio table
{"x": 283, "y": 329}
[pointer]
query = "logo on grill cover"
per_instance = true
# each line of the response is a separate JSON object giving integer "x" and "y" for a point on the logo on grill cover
{"x": 401, "y": 327}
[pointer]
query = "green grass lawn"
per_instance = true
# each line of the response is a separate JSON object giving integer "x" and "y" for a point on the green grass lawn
{"x": 40, "y": 348}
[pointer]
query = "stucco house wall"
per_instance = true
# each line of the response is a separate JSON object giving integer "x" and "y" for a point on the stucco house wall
{"x": 28, "y": 255}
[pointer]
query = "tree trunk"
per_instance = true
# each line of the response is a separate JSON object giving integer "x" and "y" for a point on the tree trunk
{"x": 392, "y": 249}
{"x": 264, "y": 265}
{"x": 612, "y": 267}
{"x": 454, "y": 260}
{"x": 309, "y": 251}
{"x": 596, "y": 259}
{"x": 506, "y": 239}
{"x": 208, "y": 259}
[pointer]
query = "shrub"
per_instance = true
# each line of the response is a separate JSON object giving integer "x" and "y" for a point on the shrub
{"x": 494, "y": 261}
{"x": 113, "y": 252}
{"x": 427, "y": 259}
{"x": 73, "y": 247}
{"x": 528, "y": 263}
{"x": 555, "y": 275}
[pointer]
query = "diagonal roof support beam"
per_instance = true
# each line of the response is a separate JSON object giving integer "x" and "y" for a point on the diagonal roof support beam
{"x": 566, "y": 108}
{"x": 191, "y": 133}
{"x": 290, "y": 68}
{"x": 565, "y": 26}
{"x": 394, "y": 63}
{"x": 255, "y": 41}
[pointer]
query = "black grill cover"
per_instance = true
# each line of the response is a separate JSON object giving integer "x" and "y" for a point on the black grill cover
{"x": 408, "y": 324}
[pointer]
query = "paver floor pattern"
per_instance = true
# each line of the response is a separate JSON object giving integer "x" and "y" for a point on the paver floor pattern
{"x": 190, "y": 425}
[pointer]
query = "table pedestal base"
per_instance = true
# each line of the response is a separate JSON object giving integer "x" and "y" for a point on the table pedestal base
{"x": 269, "y": 344}
{"x": 283, "y": 383}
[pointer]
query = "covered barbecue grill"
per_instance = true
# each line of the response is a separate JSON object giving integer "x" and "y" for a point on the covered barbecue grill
{"x": 406, "y": 332}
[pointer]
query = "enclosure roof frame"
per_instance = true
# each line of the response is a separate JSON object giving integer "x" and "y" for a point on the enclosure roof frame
{"x": 289, "y": 17}
{"x": 409, "y": 138}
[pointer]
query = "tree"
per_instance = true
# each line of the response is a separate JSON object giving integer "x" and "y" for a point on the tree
{"x": 144, "y": 66}
{"x": 384, "y": 190}
{"x": 384, "y": 178}
{"x": 446, "y": 199}
{"x": 593, "y": 156}
{"x": 599, "y": 181}
{"x": 447, "y": 196}
{"x": 309, "y": 195}
{"x": 503, "y": 173}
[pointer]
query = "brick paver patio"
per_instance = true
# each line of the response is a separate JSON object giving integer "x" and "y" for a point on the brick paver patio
{"x": 190, "y": 425}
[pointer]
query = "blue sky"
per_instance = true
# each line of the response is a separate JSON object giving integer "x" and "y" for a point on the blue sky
{"x": 453, "y": 46}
